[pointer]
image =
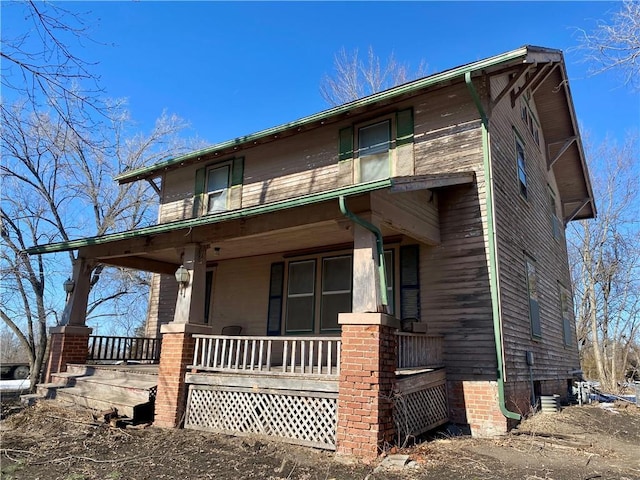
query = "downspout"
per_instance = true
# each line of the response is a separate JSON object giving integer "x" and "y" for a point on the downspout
{"x": 493, "y": 252}
{"x": 379, "y": 246}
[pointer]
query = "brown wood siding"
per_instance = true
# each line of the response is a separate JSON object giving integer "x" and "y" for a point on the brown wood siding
{"x": 162, "y": 303}
{"x": 456, "y": 300}
{"x": 241, "y": 294}
{"x": 177, "y": 195}
{"x": 525, "y": 225}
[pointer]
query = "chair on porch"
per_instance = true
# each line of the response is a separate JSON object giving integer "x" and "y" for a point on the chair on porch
{"x": 231, "y": 330}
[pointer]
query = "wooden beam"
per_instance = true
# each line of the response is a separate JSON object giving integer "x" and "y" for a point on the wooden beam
{"x": 568, "y": 142}
{"x": 141, "y": 263}
{"x": 576, "y": 211}
{"x": 527, "y": 84}
{"x": 543, "y": 78}
{"x": 428, "y": 182}
{"x": 154, "y": 185}
{"x": 516, "y": 78}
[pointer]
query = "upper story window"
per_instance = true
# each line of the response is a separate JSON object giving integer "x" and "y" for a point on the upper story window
{"x": 530, "y": 121}
{"x": 218, "y": 179}
{"x": 522, "y": 167}
{"x": 377, "y": 145}
{"x": 217, "y": 187}
{"x": 374, "y": 144}
{"x": 556, "y": 225}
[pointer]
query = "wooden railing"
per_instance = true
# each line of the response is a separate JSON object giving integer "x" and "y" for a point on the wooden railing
{"x": 273, "y": 355}
{"x": 417, "y": 350}
{"x": 105, "y": 348}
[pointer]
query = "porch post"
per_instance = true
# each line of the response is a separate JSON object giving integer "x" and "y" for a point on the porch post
{"x": 178, "y": 343}
{"x": 367, "y": 377}
{"x": 69, "y": 342}
{"x": 368, "y": 360}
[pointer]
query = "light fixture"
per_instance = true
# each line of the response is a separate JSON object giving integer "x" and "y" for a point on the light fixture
{"x": 68, "y": 285}
{"x": 182, "y": 276}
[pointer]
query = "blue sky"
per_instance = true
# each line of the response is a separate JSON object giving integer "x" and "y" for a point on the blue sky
{"x": 233, "y": 68}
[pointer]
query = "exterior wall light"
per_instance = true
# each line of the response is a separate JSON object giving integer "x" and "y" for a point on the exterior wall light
{"x": 182, "y": 276}
{"x": 68, "y": 285}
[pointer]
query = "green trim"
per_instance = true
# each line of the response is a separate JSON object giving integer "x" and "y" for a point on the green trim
{"x": 211, "y": 219}
{"x": 404, "y": 127}
{"x": 379, "y": 246}
{"x": 155, "y": 170}
{"x": 237, "y": 171}
{"x": 493, "y": 251}
{"x": 345, "y": 147}
{"x": 198, "y": 192}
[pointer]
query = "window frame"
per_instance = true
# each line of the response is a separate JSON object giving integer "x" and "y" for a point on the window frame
{"x": 288, "y": 295}
{"x": 521, "y": 166}
{"x": 390, "y": 151}
{"x": 319, "y": 259}
{"x": 533, "y": 296}
{"x": 207, "y": 193}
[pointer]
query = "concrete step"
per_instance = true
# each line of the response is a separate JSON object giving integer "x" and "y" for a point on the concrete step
{"x": 130, "y": 390}
{"x": 138, "y": 372}
{"x": 103, "y": 401}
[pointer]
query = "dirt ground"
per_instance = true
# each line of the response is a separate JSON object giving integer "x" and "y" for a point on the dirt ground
{"x": 49, "y": 442}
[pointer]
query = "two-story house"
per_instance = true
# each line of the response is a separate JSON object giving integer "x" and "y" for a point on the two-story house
{"x": 367, "y": 272}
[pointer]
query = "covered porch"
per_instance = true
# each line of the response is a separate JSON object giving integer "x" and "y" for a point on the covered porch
{"x": 358, "y": 383}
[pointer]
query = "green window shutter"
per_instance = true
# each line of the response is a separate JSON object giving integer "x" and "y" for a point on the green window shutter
{"x": 410, "y": 282}
{"x": 276, "y": 286}
{"x": 404, "y": 127}
{"x": 237, "y": 171}
{"x": 198, "y": 192}
{"x": 346, "y": 144}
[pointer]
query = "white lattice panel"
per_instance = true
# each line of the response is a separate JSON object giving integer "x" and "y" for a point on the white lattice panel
{"x": 416, "y": 412}
{"x": 302, "y": 417}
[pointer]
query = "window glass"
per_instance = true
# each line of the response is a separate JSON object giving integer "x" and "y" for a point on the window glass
{"x": 534, "y": 308}
{"x": 336, "y": 290}
{"x": 300, "y": 296}
{"x": 522, "y": 172}
{"x": 217, "y": 188}
{"x": 374, "y": 143}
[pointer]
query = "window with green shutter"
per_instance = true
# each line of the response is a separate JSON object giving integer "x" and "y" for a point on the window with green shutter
{"x": 211, "y": 191}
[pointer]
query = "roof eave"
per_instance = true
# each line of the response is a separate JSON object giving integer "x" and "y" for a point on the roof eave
{"x": 527, "y": 54}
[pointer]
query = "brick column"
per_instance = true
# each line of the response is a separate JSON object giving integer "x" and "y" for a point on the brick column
{"x": 177, "y": 352}
{"x": 365, "y": 405}
{"x": 68, "y": 344}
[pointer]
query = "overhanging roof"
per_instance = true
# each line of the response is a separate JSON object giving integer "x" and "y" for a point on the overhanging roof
{"x": 526, "y": 54}
{"x": 398, "y": 184}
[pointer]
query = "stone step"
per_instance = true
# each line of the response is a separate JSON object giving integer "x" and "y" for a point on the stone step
{"x": 103, "y": 401}
{"x": 138, "y": 372}
{"x": 131, "y": 390}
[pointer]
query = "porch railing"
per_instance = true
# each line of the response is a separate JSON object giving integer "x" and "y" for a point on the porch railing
{"x": 273, "y": 355}
{"x": 110, "y": 349}
{"x": 419, "y": 350}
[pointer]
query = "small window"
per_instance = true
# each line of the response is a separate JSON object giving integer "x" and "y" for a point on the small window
{"x": 532, "y": 289}
{"x": 556, "y": 226}
{"x": 218, "y": 188}
{"x": 374, "y": 143}
{"x": 522, "y": 171}
{"x": 565, "y": 311}
{"x": 336, "y": 290}
{"x": 300, "y": 296}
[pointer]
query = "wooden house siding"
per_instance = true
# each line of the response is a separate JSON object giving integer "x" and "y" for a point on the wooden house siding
{"x": 162, "y": 303}
{"x": 524, "y": 227}
{"x": 177, "y": 195}
{"x": 241, "y": 294}
{"x": 456, "y": 300}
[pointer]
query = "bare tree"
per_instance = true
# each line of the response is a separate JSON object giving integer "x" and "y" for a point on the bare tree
{"x": 40, "y": 67}
{"x": 605, "y": 261}
{"x": 616, "y": 44}
{"x": 354, "y": 78}
{"x": 58, "y": 186}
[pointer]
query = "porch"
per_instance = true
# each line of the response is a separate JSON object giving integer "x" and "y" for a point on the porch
{"x": 288, "y": 387}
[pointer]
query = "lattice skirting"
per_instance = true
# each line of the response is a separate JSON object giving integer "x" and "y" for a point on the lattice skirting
{"x": 304, "y": 418}
{"x": 419, "y": 411}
